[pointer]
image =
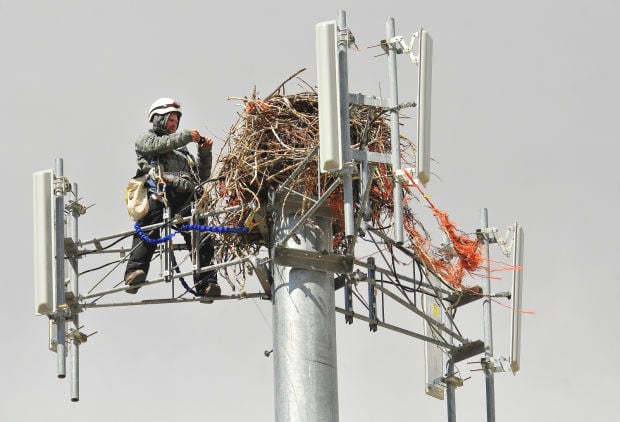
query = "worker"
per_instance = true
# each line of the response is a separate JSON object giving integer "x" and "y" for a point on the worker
{"x": 174, "y": 175}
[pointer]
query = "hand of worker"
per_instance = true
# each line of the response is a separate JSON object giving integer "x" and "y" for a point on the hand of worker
{"x": 202, "y": 141}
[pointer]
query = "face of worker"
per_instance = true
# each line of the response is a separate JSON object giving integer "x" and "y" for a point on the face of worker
{"x": 172, "y": 123}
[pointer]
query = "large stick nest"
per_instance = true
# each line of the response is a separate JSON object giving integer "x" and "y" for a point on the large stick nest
{"x": 269, "y": 141}
{"x": 272, "y": 138}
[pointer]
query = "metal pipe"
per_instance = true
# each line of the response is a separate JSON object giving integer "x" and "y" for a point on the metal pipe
{"x": 155, "y": 226}
{"x": 364, "y": 205}
{"x": 196, "y": 242}
{"x": 394, "y": 328}
{"x": 488, "y": 326}
{"x": 240, "y": 296}
{"x": 60, "y": 309}
{"x": 74, "y": 351}
{"x": 372, "y": 295}
{"x": 167, "y": 248}
{"x": 162, "y": 279}
{"x": 440, "y": 327}
{"x": 345, "y": 135}
{"x": 394, "y": 132}
{"x": 428, "y": 288}
{"x": 301, "y": 167}
{"x": 451, "y": 393}
{"x": 313, "y": 209}
{"x": 450, "y": 385}
{"x": 304, "y": 328}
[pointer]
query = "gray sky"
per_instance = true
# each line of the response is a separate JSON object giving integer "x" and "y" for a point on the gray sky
{"x": 524, "y": 123}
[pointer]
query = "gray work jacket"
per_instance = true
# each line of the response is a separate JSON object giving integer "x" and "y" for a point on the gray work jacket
{"x": 168, "y": 154}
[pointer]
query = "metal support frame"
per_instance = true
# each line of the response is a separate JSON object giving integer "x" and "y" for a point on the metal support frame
{"x": 372, "y": 296}
{"x": 487, "y": 366}
{"x": 450, "y": 392}
{"x": 74, "y": 288}
{"x": 345, "y": 135}
{"x": 60, "y": 306}
{"x": 395, "y": 133}
{"x": 166, "y": 248}
{"x": 348, "y": 303}
{"x": 302, "y": 293}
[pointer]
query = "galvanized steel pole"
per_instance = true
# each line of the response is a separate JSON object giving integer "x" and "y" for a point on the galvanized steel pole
{"x": 345, "y": 133}
{"x": 488, "y": 326}
{"x": 451, "y": 393}
{"x": 304, "y": 328}
{"x": 60, "y": 309}
{"x": 450, "y": 382}
{"x": 395, "y": 132}
{"x": 74, "y": 351}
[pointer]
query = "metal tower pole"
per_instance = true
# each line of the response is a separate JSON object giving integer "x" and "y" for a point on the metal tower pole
{"x": 450, "y": 384}
{"x": 304, "y": 327}
{"x": 345, "y": 134}
{"x": 60, "y": 310}
{"x": 488, "y": 326}
{"x": 74, "y": 351}
{"x": 395, "y": 132}
{"x": 451, "y": 394}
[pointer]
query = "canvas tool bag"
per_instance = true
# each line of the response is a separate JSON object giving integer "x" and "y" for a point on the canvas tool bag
{"x": 137, "y": 197}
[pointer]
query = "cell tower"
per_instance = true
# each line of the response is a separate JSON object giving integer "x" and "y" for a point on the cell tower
{"x": 303, "y": 268}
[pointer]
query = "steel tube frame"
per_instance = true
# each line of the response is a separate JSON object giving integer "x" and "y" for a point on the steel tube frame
{"x": 435, "y": 324}
{"x": 345, "y": 135}
{"x": 392, "y": 327}
{"x": 394, "y": 132}
{"x": 489, "y": 375}
{"x": 158, "y": 225}
{"x": 74, "y": 351}
{"x": 60, "y": 308}
{"x": 428, "y": 289}
{"x": 162, "y": 279}
{"x": 310, "y": 213}
{"x": 451, "y": 393}
{"x": 172, "y": 301}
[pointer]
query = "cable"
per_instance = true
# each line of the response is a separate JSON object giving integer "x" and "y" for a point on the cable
{"x": 98, "y": 268}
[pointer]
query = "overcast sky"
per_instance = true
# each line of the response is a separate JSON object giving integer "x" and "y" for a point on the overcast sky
{"x": 524, "y": 123}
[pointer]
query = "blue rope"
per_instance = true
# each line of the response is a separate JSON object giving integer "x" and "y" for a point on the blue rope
{"x": 181, "y": 279}
{"x": 187, "y": 227}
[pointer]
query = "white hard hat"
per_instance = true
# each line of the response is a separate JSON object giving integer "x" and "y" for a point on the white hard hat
{"x": 164, "y": 106}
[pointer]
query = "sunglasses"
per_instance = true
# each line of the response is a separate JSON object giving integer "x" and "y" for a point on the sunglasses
{"x": 174, "y": 104}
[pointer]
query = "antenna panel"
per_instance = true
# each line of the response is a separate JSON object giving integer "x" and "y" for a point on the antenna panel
{"x": 44, "y": 241}
{"x": 330, "y": 144}
{"x": 425, "y": 70}
{"x": 517, "y": 287}
{"x": 433, "y": 355}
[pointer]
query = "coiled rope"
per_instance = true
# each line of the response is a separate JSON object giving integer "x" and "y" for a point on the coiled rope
{"x": 183, "y": 228}
{"x": 187, "y": 227}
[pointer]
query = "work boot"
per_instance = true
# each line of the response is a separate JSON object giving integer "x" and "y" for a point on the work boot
{"x": 136, "y": 277}
{"x": 212, "y": 290}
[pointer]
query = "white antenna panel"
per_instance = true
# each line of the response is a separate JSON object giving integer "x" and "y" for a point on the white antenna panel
{"x": 44, "y": 242}
{"x": 433, "y": 355}
{"x": 425, "y": 70}
{"x": 517, "y": 287}
{"x": 330, "y": 145}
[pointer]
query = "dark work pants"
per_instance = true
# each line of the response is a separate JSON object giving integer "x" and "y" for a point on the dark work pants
{"x": 141, "y": 256}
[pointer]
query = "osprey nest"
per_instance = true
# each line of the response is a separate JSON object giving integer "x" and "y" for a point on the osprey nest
{"x": 272, "y": 138}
